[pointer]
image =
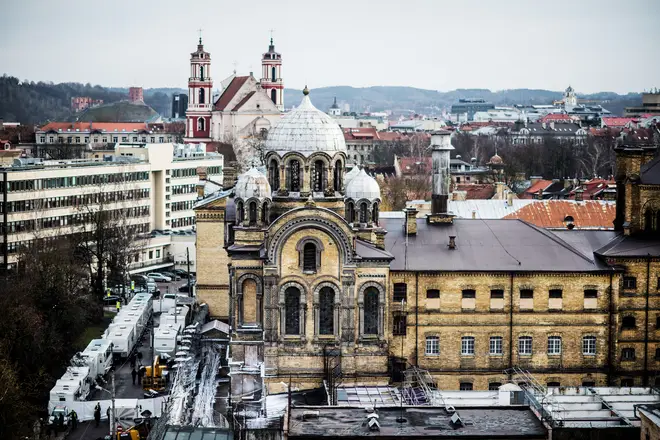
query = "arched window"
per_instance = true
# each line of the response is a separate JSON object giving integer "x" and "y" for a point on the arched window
{"x": 273, "y": 95}
{"x": 374, "y": 213}
{"x": 240, "y": 214}
{"x": 274, "y": 175}
{"x": 292, "y": 311}
{"x": 264, "y": 213}
{"x": 201, "y": 96}
{"x": 309, "y": 257}
{"x": 253, "y": 213}
{"x": 371, "y": 311}
{"x": 201, "y": 124}
{"x": 272, "y": 75}
{"x": 350, "y": 212}
{"x": 318, "y": 177}
{"x": 363, "y": 212}
{"x": 648, "y": 220}
{"x": 249, "y": 312}
{"x": 326, "y": 311}
{"x": 201, "y": 73}
{"x": 339, "y": 174}
{"x": 294, "y": 176}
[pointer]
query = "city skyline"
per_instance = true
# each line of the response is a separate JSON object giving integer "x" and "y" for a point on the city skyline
{"x": 590, "y": 45}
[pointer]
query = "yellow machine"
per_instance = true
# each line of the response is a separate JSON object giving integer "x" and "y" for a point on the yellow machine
{"x": 154, "y": 379}
{"x": 129, "y": 434}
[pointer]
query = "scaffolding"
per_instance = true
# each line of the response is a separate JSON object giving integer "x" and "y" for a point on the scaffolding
{"x": 419, "y": 388}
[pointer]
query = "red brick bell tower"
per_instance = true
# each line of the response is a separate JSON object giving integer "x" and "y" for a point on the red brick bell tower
{"x": 200, "y": 84}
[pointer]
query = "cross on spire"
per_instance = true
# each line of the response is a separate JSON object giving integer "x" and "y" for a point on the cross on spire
{"x": 271, "y": 36}
{"x": 200, "y": 35}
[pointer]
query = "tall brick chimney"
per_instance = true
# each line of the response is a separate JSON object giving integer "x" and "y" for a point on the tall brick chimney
{"x": 440, "y": 153}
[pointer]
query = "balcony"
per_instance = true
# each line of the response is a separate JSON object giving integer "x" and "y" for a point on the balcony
{"x": 153, "y": 264}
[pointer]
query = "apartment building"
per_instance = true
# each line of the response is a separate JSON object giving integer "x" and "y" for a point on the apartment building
{"x": 154, "y": 186}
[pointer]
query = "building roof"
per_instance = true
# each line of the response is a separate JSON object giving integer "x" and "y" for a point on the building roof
{"x": 560, "y": 129}
{"x": 617, "y": 121}
{"x": 432, "y": 422}
{"x": 476, "y": 191}
{"x": 594, "y": 188}
{"x": 368, "y": 251}
{"x": 486, "y": 209}
{"x": 362, "y": 186}
{"x": 360, "y": 133}
{"x": 557, "y": 117}
{"x": 242, "y": 102}
{"x": 104, "y": 127}
{"x": 252, "y": 183}
{"x": 414, "y": 165}
{"x": 591, "y": 214}
{"x": 390, "y": 136}
{"x": 541, "y": 185}
{"x": 631, "y": 246}
{"x": 306, "y": 130}
{"x": 650, "y": 172}
{"x": 230, "y": 92}
{"x": 482, "y": 245}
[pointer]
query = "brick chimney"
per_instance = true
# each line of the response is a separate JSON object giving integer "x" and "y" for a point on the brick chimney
{"x": 579, "y": 195}
{"x": 411, "y": 221}
{"x": 452, "y": 242}
{"x": 380, "y": 237}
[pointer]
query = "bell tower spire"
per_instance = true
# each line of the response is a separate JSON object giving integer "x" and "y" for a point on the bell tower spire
{"x": 271, "y": 75}
{"x": 200, "y": 84}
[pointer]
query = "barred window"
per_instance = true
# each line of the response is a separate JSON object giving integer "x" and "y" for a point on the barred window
{"x": 469, "y": 293}
{"x": 432, "y": 345}
{"x": 465, "y": 386}
{"x": 292, "y": 311}
{"x": 326, "y": 311}
{"x": 554, "y": 345}
{"x": 495, "y": 345}
{"x": 294, "y": 176}
{"x": 589, "y": 345}
{"x": 494, "y": 386}
{"x": 309, "y": 257}
{"x": 629, "y": 282}
{"x": 555, "y": 293}
{"x": 497, "y": 293}
{"x": 526, "y": 294}
{"x": 525, "y": 345}
{"x": 399, "y": 324}
{"x": 371, "y": 311}
{"x": 628, "y": 354}
{"x": 400, "y": 292}
{"x": 433, "y": 294}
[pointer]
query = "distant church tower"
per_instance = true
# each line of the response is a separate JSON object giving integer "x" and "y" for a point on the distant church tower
{"x": 271, "y": 76}
{"x": 334, "y": 109}
{"x": 570, "y": 99}
{"x": 200, "y": 98}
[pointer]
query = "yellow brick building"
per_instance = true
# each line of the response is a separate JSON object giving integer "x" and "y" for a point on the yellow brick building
{"x": 317, "y": 286}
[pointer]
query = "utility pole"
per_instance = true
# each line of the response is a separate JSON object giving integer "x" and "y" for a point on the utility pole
{"x": 113, "y": 420}
{"x": 188, "y": 262}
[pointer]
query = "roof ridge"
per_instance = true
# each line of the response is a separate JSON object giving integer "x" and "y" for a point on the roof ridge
{"x": 559, "y": 241}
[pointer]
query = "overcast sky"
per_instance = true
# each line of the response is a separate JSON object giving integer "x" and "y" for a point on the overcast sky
{"x": 594, "y": 45}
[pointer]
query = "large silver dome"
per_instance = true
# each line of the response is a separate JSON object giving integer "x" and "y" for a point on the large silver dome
{"x": 306, "y": 130}
{"x": 252, "y": 184}
{"x": 363, "y": 186}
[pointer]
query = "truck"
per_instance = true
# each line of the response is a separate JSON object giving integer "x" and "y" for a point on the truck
{"x": 98, "y": 357}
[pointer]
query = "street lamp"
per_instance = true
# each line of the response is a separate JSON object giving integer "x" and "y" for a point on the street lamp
{"x": 111, "y": 391}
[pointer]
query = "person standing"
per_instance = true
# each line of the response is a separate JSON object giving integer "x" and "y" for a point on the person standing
{"x": 60, "y": 422}
{"x": 140, "y": 374}
{"x": 97, "y": 414}
{"x": 134, "y": 375}
{"x": 74, "y": 420}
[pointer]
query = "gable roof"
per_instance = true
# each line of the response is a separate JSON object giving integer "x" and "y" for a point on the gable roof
{"x": 242, "y": 102}
{"x": 590, "y": 214}
{"x": 617, "y": 121}
{"x": 414, "y": 165}
{"x": 535, "y": 188}
{"x": 104, "y": 127}
{"x": 230, "y": 92}
{"x": 483, "y": 245}
{"x": 476, "y": 191}
{"x": 650, "y": 172}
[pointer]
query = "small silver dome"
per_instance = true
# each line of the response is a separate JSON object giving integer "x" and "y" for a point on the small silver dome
{"x": 351, "y": 174}
{"x": 252, "y": 184}
{"x": 363, "y": 186}
{"x": 306, "y": 130}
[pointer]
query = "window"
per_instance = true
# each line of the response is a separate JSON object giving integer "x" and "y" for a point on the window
{"x": 467, "y": 346}
{"x": 590, "y": 298}
{"x": 554, "y": 384}
{"x": 400, "y": 292}
{"x": 326, "y": 311}
{"x": 495, "y": 345}
{"x": 294, "y": 176}
{"x": 590, "y": 293}
{"x": 253, "y": 215}
{"x": 554, "y": 345}
{"x": 469, "y": 294}
{"x": 432, "y": 345}
{"x": 292, "y": 311}
{"x": 628, "y": 354}
{"x": 496, "y": 293}
{"x": 363, "y": 213}
{"x": 657, "y": 353}
{"x": 526, "y": 294}
{"x": 339, "y": 171}
{"x": 629, "y": 283}
{"x": 318, "y": 178}
{"x": 350, "y": 212}
{"x": 201, "y": 96}
{"x": 555, "y": 293}
{"x": 589, "y": 345}
{"x": 274, "y": 174}
{"x": 628, "y": 322}
{"x": 309, "y": 257}
{"x": 399, "y": 325}
{"x": 494, "y": 386}
{"x": 497, "y": 299}
{"x": 371, "y": 311}
{"x": 374, "y": 213}
{"x": 525, "y": 345}
{"x": 434, "y": 294}
{"x": 468, "y": 301}
{"x": 151, "y": 255}
{"x": 240, "y": 214}
{"x": 465, "y": 386}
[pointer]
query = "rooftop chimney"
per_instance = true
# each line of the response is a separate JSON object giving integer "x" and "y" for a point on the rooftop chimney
{"x": 411, "y": 221}
{"x": 441, "y": 148}
{"x": 452, "y": 242}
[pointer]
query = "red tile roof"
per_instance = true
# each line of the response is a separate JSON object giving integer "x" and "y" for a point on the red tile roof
{"x": 617, "y": 122}
{"x": 605, "y": 132}
{"x": 593, "y": 188}
{"x": 231, "y": 91}
{"x": 390, "y": 136}
{"x": 414, "y": 165}
{"x": 360, "y": 133}
{"x": 551, "y": 213}
{"x": 531, "y": 192}
{"x": 243, "y": 101}
{"x": 127, "y": 127}
{"x": 481, "y": 191}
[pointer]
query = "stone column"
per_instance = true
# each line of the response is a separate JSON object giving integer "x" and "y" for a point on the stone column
{"x": 330, "y": 182}
{"x": 306, "y": 181}
{"x": 347, "y": 317}
{"x": 282, "y": 191}
{"x": 271, "y": 308}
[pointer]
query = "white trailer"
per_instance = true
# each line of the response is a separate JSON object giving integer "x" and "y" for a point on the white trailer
{"x": 98, "y": 357}
{"x": 64, "y": 391}
{"x": 165, "y": 339}
{"x": 122, "y": 338}
{"x": 74, "y": 385}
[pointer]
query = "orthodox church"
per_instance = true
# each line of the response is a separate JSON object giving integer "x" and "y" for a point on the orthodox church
{"x": 317, "y": 287}
{"x": 245, "y": 108}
